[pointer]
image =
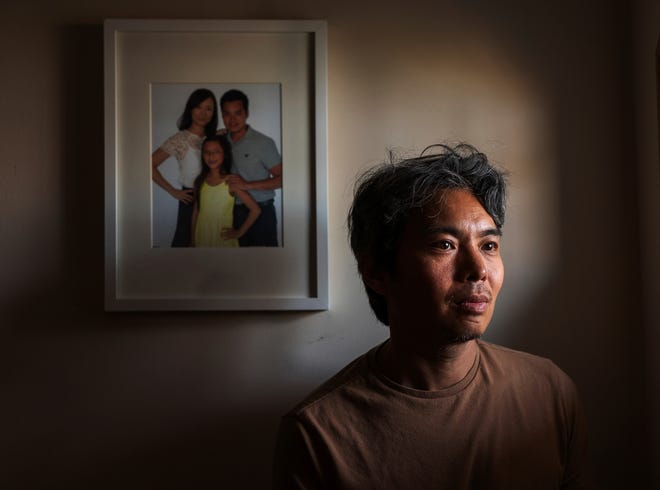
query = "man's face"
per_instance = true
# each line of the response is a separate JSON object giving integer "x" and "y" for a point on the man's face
{"x": 234, "y": 116}
{"x": 447, "y": 274}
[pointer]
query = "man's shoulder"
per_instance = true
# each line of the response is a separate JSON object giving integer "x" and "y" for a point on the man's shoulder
{"x": 508, "y": 353}
{"x": 522, "y": 367}
{"x": 257, "y": 136}
{"x": 349, "y": 378}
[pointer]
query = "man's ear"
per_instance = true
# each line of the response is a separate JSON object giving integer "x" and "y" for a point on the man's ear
{"x": 372, "y": 275}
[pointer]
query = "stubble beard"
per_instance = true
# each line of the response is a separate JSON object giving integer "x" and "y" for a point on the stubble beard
{"x": 459, "y": 334}
{"x": 460, "y": 338}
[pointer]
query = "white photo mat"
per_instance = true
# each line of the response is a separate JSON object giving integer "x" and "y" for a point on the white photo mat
{"x": 141, "y": 53}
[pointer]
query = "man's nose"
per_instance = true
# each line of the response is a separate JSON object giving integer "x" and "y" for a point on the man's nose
{"x": 471, "y": 265}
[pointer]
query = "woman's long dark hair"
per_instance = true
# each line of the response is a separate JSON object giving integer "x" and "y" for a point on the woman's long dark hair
{"x": 225, "y": 168}
{"x": 196, "y": 98}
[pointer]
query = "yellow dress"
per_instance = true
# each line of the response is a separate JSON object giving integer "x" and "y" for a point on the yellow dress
{"x": 216, "y": 207}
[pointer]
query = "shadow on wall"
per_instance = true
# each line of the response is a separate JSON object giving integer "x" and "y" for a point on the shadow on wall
{"x": 223, "y": 452}
{"x": 83, "y": 162}
{"x": 586, "y": 316}
{"x": 96, "y": 400}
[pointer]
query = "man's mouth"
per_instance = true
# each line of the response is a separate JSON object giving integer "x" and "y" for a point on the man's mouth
{"x": 473, "y": 304}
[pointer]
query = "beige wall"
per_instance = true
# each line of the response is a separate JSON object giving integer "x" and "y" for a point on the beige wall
{"x": 180, "y": 400}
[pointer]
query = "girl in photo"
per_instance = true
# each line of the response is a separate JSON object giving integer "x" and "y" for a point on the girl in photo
{"x": 199, "y": 119}
{"x": 212, "y": 218}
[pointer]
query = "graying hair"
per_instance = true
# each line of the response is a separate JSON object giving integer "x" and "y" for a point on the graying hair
{"x": 386, "y": 194}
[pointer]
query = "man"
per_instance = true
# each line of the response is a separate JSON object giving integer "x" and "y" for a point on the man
{"x": 257, "y": 168}
{"x": 434, "y": 406}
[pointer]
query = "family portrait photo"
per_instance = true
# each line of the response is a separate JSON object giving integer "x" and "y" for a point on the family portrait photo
{"x": 216, "y": 165}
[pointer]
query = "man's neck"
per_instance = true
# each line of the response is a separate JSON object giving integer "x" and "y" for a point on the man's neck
{"x": 428, "y": 369}
{"x": 238, "y": 134}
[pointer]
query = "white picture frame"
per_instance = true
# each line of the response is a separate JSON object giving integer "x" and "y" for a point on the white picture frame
{"x": 141, "y": 53}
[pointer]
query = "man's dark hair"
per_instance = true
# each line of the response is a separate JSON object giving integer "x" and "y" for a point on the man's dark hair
{"x": 385, "y": 195}
{"x": 232, "y": 96}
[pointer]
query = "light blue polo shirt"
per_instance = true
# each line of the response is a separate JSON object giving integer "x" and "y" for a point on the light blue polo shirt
{"x": 254, "y": 155}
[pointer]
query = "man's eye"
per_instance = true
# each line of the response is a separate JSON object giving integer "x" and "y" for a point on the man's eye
{"x": 443, "y": 245}
{"x": 491, "y": 246}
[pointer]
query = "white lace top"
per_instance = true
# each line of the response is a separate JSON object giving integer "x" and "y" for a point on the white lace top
{"x": 186, "y": 147}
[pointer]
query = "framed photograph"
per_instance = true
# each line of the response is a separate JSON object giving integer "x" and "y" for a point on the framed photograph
{"x": 164, "y": 83}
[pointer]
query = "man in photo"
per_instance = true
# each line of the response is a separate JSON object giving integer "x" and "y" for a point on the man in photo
{"x": 435, "y": 406}
{"x": 257, "y": 169}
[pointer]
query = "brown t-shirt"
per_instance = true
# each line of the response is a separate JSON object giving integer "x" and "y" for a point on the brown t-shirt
{"x": 513, "y": 422}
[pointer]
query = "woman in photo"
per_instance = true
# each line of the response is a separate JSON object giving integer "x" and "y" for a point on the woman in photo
{"x": 199, "y": 119}
{"x": 212, "y": 219}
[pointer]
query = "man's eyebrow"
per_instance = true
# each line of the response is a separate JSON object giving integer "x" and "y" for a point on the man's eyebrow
{"x": 491, "y": 231}
{"x": 450, "y": 230}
